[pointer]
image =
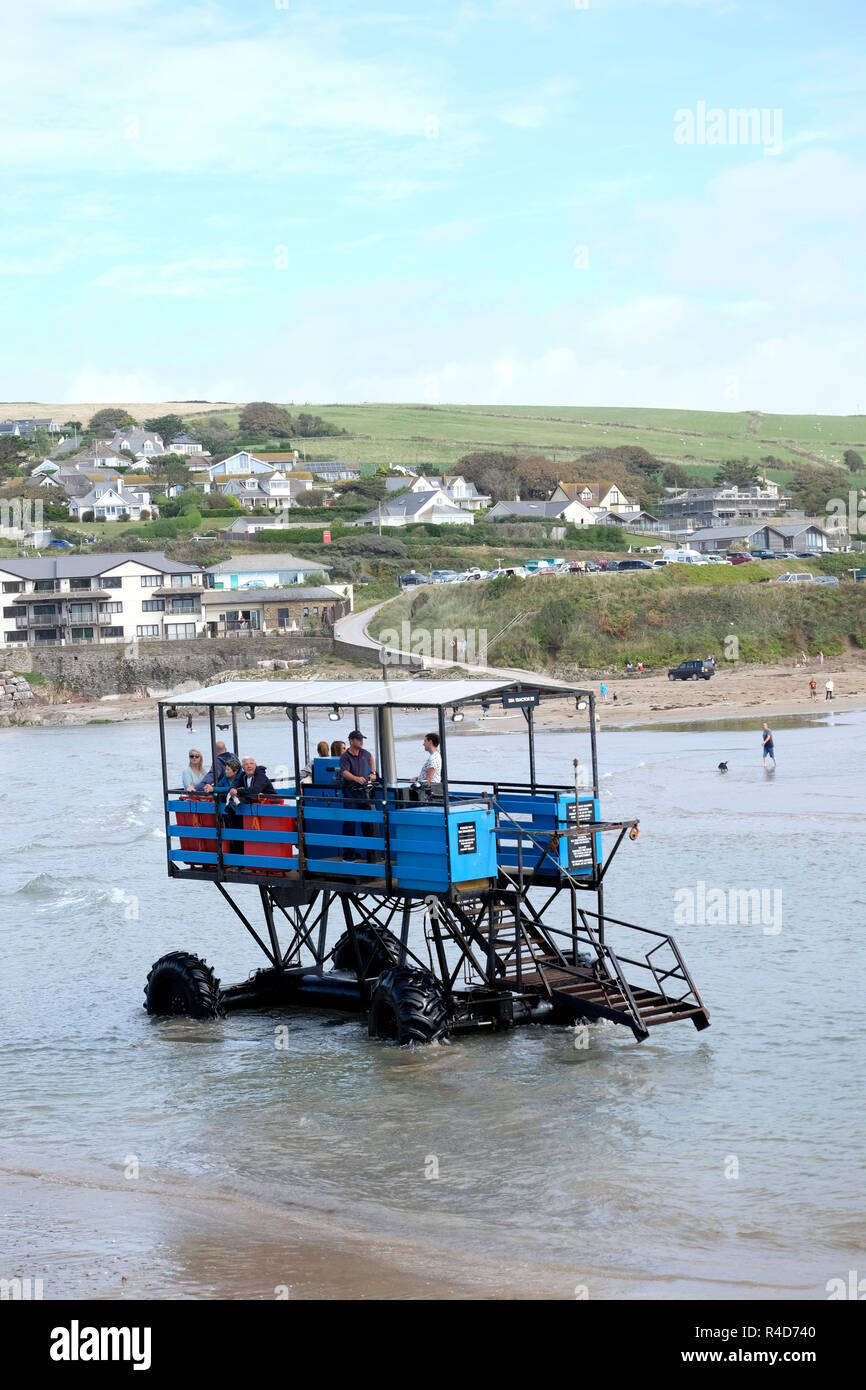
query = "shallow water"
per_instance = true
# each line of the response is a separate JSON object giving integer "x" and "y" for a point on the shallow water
{"x": 721, "y": 1163}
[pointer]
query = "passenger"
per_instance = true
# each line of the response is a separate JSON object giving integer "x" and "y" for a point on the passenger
{"x": 207, "y": 782}
{"x": 251, "y": 782}
{"x": 338, "y": 748}
{"x": 225, "y": 785}
{"x": 194, "y": 774}
{"x": 431, "y": 770}
{"x": 357, "y": 771}
{"x": 322, "y": 749}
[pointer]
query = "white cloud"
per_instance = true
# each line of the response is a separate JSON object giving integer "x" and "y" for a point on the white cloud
{"x": 199, "y": 276}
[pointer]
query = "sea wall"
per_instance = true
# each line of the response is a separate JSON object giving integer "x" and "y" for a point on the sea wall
{"x": 160, "y": 667}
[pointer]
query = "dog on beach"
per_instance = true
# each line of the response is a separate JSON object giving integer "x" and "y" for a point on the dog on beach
{"x": 723, "y": 767}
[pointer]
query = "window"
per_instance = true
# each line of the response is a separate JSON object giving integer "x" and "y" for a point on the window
{"x": 113, "y": 583}
{"x": 79, "y": 583}
{"x": 153, "y": 605}
{"x": 184, "y": 605}
{"x": 10, "y": 587}
{"x": 151, "y": 581}
{"x": 315, "y": 612}
{"x": 112, "y": 632}
{"x": 44, "y": 586}
{"x": 111, "y": 608}
{"x": 147, "y": 630}
{"x": 175, "y": 631}
{"x": 82, "y": 634}
{"x": 80, "y": 612}
{"x": 16, "y": 636}
{"x": 11, "y": 612}
{"x": 183, "y": 581}
{"x": 306, "y": 612}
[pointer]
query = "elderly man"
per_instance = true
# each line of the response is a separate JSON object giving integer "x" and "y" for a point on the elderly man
{"x": 251, "y": 782}
{"x": 357, "y": 771}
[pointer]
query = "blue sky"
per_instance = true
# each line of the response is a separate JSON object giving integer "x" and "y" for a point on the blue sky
{"x": 477, "y": 202}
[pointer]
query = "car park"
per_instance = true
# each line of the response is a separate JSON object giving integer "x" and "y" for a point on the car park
{"x": 692, "y": 671}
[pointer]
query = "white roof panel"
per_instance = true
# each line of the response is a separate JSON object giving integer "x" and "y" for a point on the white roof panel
{"x": 364, "y": 694}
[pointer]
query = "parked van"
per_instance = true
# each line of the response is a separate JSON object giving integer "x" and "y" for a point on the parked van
{"x": 683, "y": 557}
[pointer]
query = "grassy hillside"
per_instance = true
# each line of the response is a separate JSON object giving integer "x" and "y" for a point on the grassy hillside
{"x": 438, "y": 435}
{"x": 598, "y": 622}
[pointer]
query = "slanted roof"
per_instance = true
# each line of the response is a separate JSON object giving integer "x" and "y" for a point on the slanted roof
{"x": 398, "y": 694}
{"x": 723, "y": 533}
{"x": 87, "y": 566}
{"x": 264, "y": 562}
{"x": 546, "y": 509}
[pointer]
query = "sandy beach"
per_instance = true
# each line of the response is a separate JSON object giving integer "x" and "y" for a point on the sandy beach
{"x": 735, "y": 691}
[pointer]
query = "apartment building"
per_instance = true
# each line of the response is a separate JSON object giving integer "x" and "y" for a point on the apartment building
{"x": 96, "y": 599}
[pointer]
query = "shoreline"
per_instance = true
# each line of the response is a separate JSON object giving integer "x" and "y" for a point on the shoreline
{"x": 735, "y": 692}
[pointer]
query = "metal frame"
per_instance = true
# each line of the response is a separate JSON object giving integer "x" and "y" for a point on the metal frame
{"x": 497, "y": 960}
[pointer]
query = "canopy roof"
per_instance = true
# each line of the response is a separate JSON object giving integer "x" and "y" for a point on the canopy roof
{"x": 398, "y": 694}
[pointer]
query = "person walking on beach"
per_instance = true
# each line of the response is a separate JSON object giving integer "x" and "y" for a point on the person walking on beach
{"x": 820, "y": 658}
{"x": 829, "y": 688}
{"x": 802, "y": 659}
{"x": 189, "y": 722}
{"x": 813, "y": 689}
{"x": 602, "y": 690}
{"x": 768, "y": 745}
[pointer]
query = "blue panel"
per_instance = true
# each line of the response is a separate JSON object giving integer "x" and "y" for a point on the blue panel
{"x": 193, "y": 832}
{"x": 255, "y": 861}
{"x": 193, "y": 856}
{"x": 471, "y": 843}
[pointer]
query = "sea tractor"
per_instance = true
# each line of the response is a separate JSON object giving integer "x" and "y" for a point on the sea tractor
{"x": 438, "y": 909}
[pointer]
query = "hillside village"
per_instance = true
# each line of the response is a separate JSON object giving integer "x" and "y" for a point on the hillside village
{"x": 184, "y": 509}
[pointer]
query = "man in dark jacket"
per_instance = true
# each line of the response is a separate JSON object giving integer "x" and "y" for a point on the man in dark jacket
{"x": 357, "y": 771}
{"x": 251, "y": 782}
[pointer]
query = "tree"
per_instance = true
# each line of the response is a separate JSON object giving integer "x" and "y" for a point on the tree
{"x": 737, "y": 473}
{"x": 12, "y": 453}
{"x": 262, "y": 417}
{"x": 166, "y": 426}
{"x": 853, "y": 461}
{"x": 674, "y": 476}
{"x": 311, "y": 426}
{"x": 111, "y": 418}
{"x": 812, "y": 488}
{"x": 311, "y": 497}
{"x": 169, "y": 470}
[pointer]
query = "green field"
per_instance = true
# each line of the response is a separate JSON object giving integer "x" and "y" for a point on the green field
{"x": 440, "y": 434}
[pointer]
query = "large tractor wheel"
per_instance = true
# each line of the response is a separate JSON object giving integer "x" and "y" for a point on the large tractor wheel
{"x": 182, "y": 985}
{"x": 375, "y": 956}
{"x": 408, "y": 1006}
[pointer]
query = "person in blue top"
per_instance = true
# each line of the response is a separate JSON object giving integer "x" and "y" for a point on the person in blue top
{"x": 602, "y": 690}
{"x": 767, "y": 744}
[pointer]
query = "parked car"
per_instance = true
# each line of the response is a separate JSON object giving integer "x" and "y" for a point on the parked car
{"x": 800, "y": 577}
{"x": 807, "y": 554}
{"x": 764, "y": 555}
{"x": 714, "y": 559}
{"x": 62, "y": 545}
{"x": 830, "y": 579}
{"x": 440, "y": 576}
{"x": 738, "y": 557}
{"x": 633, "y": 565}
{"x": 412, "y": 580}
{"x": 660, "y": 564}
{"x": 692, "y": 671}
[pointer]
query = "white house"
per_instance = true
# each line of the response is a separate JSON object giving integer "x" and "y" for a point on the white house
{"x": 606, "y": 497}
{"x": 427, "y": 505}
{"x": 561, "y": 510}
{"x": 184, "y": 444}
{"x": 109, "y": 501}
{"x": 141, "y": 443}
{"x": 96, "y": 599}
{"x": 271, "y": 491}
{"x": 265, "y": 572}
